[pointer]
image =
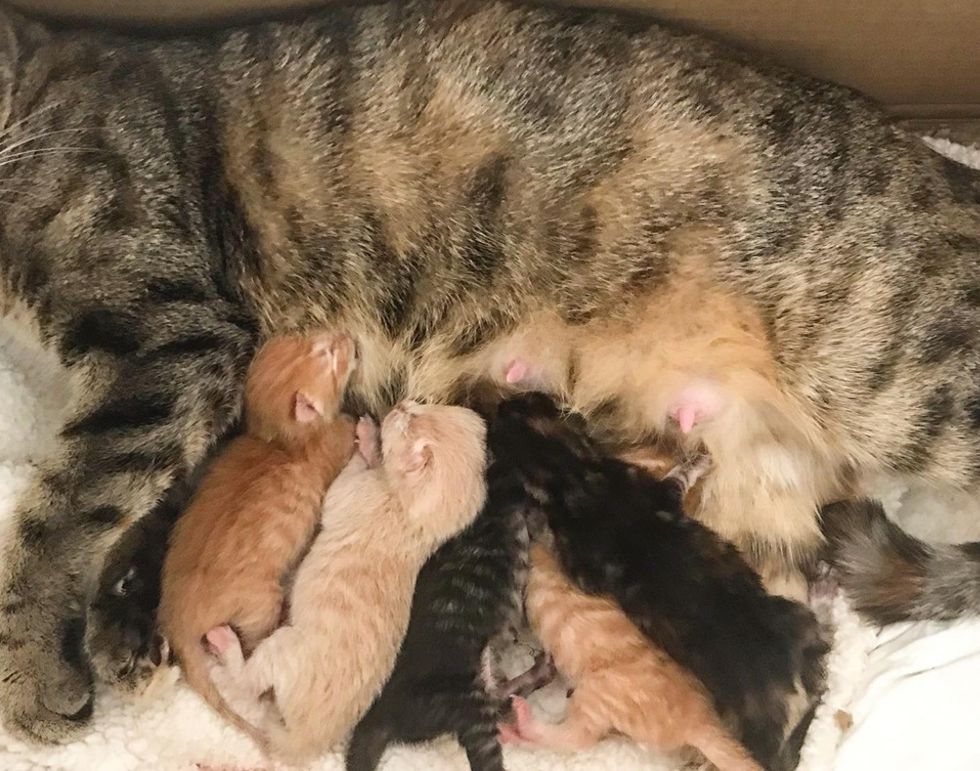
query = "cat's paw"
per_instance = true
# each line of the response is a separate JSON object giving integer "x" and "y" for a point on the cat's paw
{"x": 225, "y": 646}
{"x": 368, "y": 441}
{"x": 133, "y": 662}
{"x": 507, "y": 734}
{"x": 523, "y": 728}
{"x": 46, "y": 692}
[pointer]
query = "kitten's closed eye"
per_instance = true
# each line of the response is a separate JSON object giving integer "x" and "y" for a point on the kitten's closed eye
{"x": 126, "y": 584}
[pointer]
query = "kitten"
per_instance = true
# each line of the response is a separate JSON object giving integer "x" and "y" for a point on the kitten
{"x": 891, "y": 576}
{"x": 122, "y": 637}
{"x": 468, "y": 595}
{"x": 622, "y": 682}
{"x": 256, "y": 508}
{"x": 618, "y": 531}
{"x": 350, "y": 603}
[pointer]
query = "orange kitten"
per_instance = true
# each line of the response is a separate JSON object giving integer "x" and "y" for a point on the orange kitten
{"x": 255, "y": 511}
{"x": 350, "y": 602}
{"x": 622, "y": 682}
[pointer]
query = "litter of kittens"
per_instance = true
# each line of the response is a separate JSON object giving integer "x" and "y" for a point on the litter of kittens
{"x": 142, "y": 708}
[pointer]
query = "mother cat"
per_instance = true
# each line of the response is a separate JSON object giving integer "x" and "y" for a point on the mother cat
{"x": 661, "y": 222}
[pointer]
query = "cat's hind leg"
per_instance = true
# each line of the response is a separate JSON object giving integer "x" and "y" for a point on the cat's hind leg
{"x": 763, "y": 495}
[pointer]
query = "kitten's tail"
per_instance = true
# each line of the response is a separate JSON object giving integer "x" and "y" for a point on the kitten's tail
{"x": 723, "y": 751}
{"x": 367, "y": 744}
{"x": 193, "y": 662}
{"x": 479, "y": 735}
{"x": 891, "y": 576}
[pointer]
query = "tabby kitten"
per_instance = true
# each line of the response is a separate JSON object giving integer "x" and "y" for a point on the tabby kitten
{"x": 468, "y": 595}
{"x": 667, "y": 214}
{"x": 619, "y": 531}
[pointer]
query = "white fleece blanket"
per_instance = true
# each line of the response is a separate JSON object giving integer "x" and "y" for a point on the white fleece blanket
{"x": 904, "y": 699}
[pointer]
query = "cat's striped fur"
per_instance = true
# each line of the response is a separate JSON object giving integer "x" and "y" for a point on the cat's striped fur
{"x": 436, "y": 175}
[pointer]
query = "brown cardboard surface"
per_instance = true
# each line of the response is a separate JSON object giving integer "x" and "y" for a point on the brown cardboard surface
{"x": 920, "y": 57}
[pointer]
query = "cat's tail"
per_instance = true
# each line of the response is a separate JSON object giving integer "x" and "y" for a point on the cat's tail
{"x": 891, "y": 576}
{"x": 196, "y": 669}
{"x": 721, "y": 749}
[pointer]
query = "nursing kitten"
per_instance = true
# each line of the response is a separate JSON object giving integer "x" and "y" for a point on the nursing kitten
{"x": 703, "y": 242}
{"x": 467, "y": 597}
{"x": 256, "y": 508}
{"x": 352, "y": 595}
{"x": 620, "y": 532}
{"x": 122, "y": 640}
{"x": 891, "y": 576}
{"x": 622, "y": 682}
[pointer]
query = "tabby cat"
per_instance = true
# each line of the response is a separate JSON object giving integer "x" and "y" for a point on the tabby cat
{"x": 443, "y": 177}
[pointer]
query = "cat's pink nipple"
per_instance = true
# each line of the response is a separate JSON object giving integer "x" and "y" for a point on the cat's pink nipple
{"x": 686, "y": 418}
{"x": 695, "y": 403}
{"x": 516, "y": 372}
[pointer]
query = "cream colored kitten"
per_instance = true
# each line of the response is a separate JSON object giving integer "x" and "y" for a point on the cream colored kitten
{"x": 350, "y": 603}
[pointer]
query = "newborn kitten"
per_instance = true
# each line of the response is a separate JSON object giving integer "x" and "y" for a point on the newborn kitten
{"x": 352, "y": 595}
{"x": 622, "y": 682}
{"x": 619, "y": 531}
{"x": 467, "y": 596}
{"x": 255, "y": 511}
{"x": 122, "y": 636}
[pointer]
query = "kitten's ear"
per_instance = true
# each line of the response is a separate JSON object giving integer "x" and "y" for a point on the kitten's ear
{"x": 326, "y": 348}
{"x": 305, "y": 409}
{"x": 420, "y": 456}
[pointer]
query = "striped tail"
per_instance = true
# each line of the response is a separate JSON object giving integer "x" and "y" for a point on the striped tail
{"x": 891, "y": 576}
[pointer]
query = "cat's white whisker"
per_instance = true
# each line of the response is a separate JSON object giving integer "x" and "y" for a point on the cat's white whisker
{"x": 38, "y": 137}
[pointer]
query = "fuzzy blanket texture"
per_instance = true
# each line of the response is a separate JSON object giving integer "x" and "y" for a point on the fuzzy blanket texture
{"x": 900, "y": 698}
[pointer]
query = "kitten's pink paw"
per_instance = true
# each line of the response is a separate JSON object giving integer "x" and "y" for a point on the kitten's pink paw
{"x": 367, "y": 440}
{"x": 508, "y": 734}
{"x": 523, "y": 718}
{"x": 221, "y": 639}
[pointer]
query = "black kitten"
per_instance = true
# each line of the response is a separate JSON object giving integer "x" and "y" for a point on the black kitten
{"x": 619, "y": 531}
{"x": 122, "y": 641}
{"x": 468, "y": 595}
{"x": 121, "y": 637}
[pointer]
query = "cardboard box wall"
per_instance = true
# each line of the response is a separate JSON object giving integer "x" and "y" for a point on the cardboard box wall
{"x": 921, "y": 58}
